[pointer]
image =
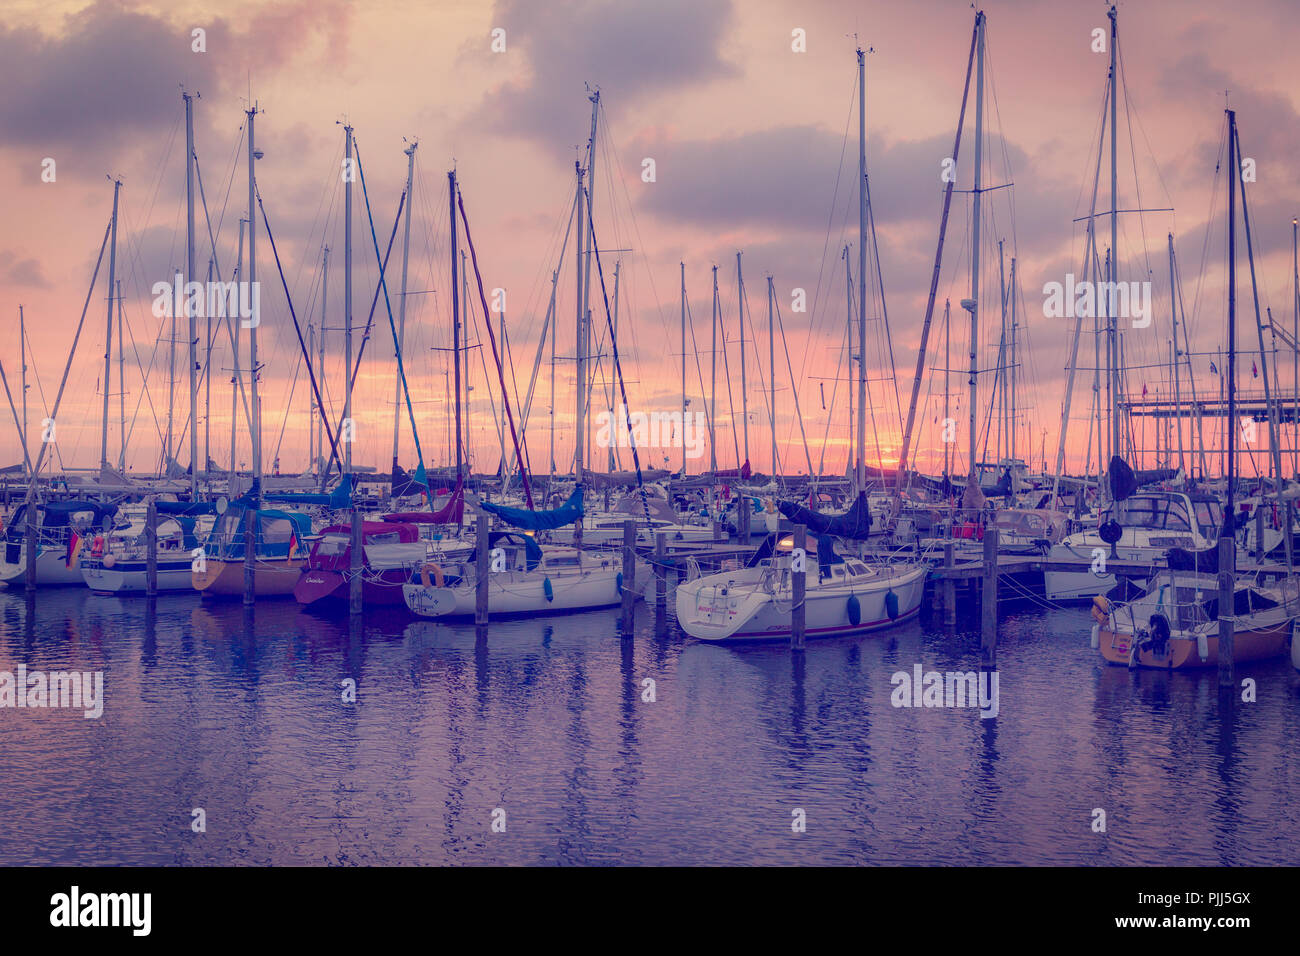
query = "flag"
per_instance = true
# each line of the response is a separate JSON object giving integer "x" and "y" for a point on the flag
{"x": 1254, "y": 372}
{"x": 1213, "y": 370}
{"x": 1144, "y": 389}
{"x": 293, "y": 543}
{"x": 71, "y": 557}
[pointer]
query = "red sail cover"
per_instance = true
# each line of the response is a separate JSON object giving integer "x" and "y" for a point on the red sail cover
{"x": 453, "y": 512}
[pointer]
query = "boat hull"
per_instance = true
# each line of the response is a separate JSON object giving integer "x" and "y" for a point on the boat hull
{"x": 132, "y": 577}
{"x": 511, "y": 593}
{"x": 703, "y": 611}
{"x": 315, "y": 585}
{"x": 1181, "y": 653}
{"x": 272, "y": 577}
{"x": 51, "y": 570}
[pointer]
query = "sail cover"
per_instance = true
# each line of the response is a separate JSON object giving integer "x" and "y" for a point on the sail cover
{"x": 339, "y": 498}
{"x": 854, "y": 523}
{"x": 567, "y": 513}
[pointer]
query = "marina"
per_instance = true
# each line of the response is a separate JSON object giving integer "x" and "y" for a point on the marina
{"x": 591, "y": 500}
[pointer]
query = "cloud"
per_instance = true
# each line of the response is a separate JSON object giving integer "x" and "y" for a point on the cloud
{"x": 634, "y": 51}
{"x": 21, "y": 271}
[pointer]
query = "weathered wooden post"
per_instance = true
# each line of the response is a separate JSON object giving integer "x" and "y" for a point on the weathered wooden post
{"x": 356, "y": 553}
{"x": 250, "y": 556}
{"x": 629, "y": 576}
{"x": 661, "y": 570}
{"x": 1259, "y": 530}
{"x": 483, "y": 567}
{"x": 798, "y": 588}
{"x": 744, "y": 512}
{"x": 31, "y": 539}
{"x": 989, "y": 603}
{"x": 949, "y": 586}
{"x": 1227, "y": 575}
{"x": 151, "y": 549}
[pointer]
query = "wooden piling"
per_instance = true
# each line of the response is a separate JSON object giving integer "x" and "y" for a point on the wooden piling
{"x": 151, "y": 549}
{"x": 483, "y": 567}
{"x": 250, "y": 556}
{"x": 798, "y": 589}
{"x": 949, "y": 586}
{"x": 356, "y": 564}
{"x": 1227, "y": 575}
{"x": 1259, "y": 530}
{"x": 661, "y": 570}
{"x": 989, "y": 602}
{"x": 629, "y": 576}
{"x": 32, "y": 540}
{"x": 744, "y": 514}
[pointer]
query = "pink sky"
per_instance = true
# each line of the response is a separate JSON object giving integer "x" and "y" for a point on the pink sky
{"x": 747, "y": 137}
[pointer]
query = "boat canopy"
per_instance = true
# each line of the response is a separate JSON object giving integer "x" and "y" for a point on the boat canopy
{"x": 532, "y": 550}
{"x": 59, "y": 514}
{"x": 187, "y": 508}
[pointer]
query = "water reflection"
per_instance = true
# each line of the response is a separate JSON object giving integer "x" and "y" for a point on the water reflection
{"x": 244, "y": 711}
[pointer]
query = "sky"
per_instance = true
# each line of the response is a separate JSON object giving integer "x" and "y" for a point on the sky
{"x": 754, "y": 146}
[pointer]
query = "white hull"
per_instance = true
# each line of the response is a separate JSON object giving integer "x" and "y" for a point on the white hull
{"x": 735, "y": 606}
{"x": 524, "y": 592}
{"x": 51, "y": 571}
{"x": 130, "y": 577}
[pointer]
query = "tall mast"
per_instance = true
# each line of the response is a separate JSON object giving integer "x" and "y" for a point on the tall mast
{"x": 555, "y": 278}
{"x": 235, "y": 379}
{"x": 585, "y": 228}
{"x": 744, "y": 390}
{"x": 580, "y": 340}
{"x": 22, "y": 342}
{"x": 1009, "y": 376}
{"x": 618, "y": 267}
{"x": 108, "y": 335}
{"x": 455, "y": 317}
{"x": 848, "y": 339}
{"x": 192, "y": 324}
{"x": 169, "y": 453}
{"x": 1113, "y": 270}
{"x": 1173, "y": 303}
{"x": 683, "y": 435}
{"x": 207, "y": 382}
{"x": 771, "y": 362}
{"x": 713, "y": 384}
{"x": 347, "y": 297}
{"x": 254, "y": 370}
{"x": 1230, "y": 425}
{"x": 121, "y": 389}
{"x": 401, "y": 306}
{"x": 861, "y": 476}
{"x": 1295, "y": 351}
{"x": 320, "y": 346}
{"x": 975, "y": 237}
{"x": 1002, "y": 353}
{"x": 947, "y": 389}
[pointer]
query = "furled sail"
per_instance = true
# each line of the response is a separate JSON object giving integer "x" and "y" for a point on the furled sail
{"x": 854, "y": 523}
{"x": 567, "y": 513}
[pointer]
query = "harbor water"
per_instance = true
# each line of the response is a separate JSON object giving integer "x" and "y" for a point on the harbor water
{"x": 554, "y": 741}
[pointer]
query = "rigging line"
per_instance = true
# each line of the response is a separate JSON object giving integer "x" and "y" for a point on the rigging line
{"x": 40, "y": 458}
{"x": 329, "y": 432}
{"x": 726, "y": 366}
{"x": 618, "y": 368}
{"x": 505, "y": 396}
{"x": 785, "y": 346}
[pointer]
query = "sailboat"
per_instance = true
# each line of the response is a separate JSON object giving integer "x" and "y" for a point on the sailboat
{"x": 1179, "y": 622}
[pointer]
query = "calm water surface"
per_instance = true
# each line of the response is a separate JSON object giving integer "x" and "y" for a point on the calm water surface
{"x": 241, "y": 713}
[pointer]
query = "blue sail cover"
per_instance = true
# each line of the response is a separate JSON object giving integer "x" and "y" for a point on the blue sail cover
{"x": 567, "y": 513}
{"x": 854, "y": 523}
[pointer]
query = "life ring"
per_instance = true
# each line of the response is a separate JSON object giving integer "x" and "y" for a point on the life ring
{"x": 426, "y": 569}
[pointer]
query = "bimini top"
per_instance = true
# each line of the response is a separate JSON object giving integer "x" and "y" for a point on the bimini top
{"x": 59, "y": 514}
